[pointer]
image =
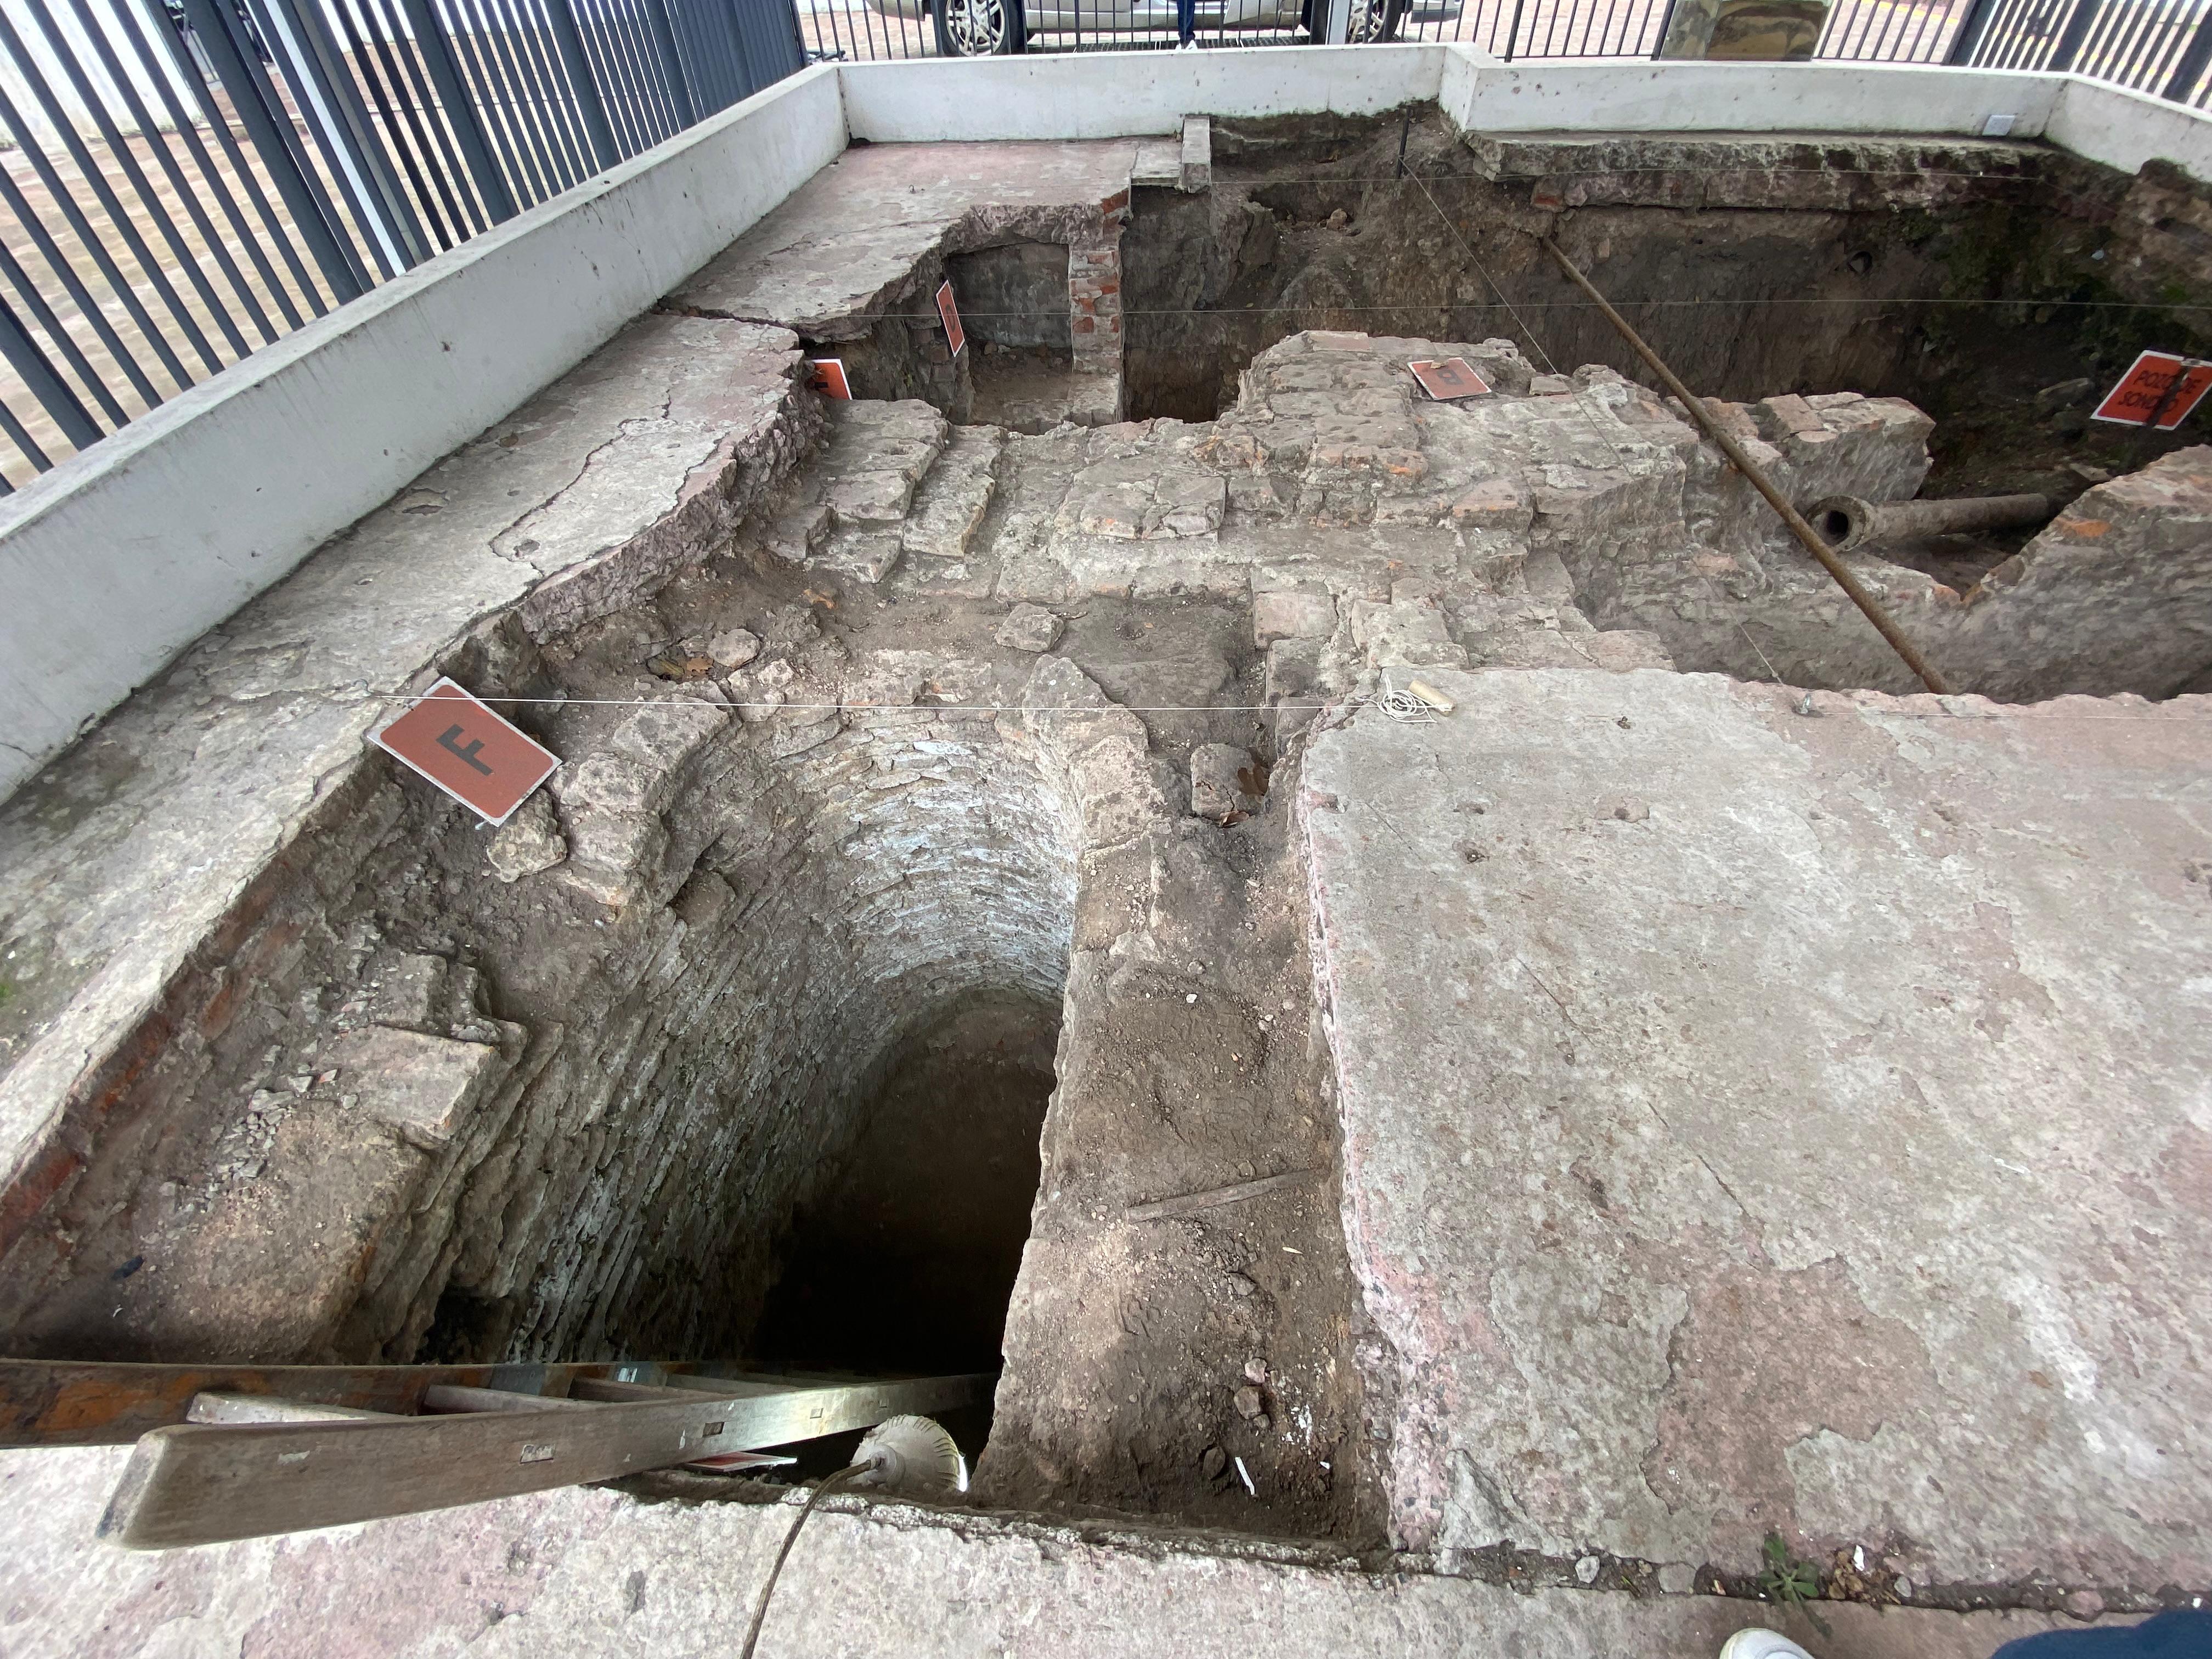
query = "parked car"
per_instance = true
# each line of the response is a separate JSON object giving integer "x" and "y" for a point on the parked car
{"x": 984, "y": 28}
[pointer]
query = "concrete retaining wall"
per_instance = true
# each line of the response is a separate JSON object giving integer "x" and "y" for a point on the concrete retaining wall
{"x": 2120, "y": 128}
{"x": 122, "y": 555}
{"x": 1114, "y": 95}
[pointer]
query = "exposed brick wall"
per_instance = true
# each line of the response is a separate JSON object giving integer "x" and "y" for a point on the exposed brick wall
{"x": 580, "y": 1109}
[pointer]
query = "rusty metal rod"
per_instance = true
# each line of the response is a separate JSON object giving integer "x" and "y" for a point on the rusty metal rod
{"x": 1728, "y": 447}
{"x": 1846, "y": 521}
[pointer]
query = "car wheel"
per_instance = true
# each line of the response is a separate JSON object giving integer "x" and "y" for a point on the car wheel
{"x": 978, "y": 28}
{"x": 1373, "y": 20}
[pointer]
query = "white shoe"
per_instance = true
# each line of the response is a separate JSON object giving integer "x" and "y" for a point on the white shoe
{"x": 1187, "y": 45}
{"x": 1759, "y": 1642}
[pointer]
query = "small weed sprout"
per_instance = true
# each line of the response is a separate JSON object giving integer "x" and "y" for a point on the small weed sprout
{"x": 1794, "y": 1583}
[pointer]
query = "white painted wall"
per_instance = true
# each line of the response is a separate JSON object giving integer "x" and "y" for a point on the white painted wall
{"x": 2121, "y": 129}
{"x": 1687, "y": 96}
{"x": 123, "y": 555}
{"x": 1116, "y": 95}
{"x": 2126, "y": 129}
{"x": 1458, "y": 83}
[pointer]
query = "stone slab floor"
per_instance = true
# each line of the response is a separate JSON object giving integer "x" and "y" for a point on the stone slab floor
{"x": 587, "y": 1572}
{"x": 1765, "y": 1111}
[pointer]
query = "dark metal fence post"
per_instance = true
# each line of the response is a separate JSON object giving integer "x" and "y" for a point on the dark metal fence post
{"x": 2077, "y": 35}
{"x": 460, "y": 109}
{"x": 321, "y": 80}
{"x": 24, "y": 356}
{"x": 1513, "y": 30}
{"x": 239, "y": 68}
{"x": 1979, "y": 14}
{"x": 672, "y": 64}
{"x": 2195, "y": 58}
{"x": 562, "y": 23}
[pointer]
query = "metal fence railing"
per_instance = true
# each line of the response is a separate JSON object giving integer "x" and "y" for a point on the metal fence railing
{"x": 184, "y": 181}
{"x": 2161, "y": 46}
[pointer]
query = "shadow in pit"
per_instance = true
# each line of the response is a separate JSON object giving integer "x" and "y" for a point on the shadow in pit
{"x": 906, "y": 1263}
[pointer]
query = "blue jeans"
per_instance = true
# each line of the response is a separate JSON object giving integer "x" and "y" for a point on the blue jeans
{"x": 1186, "y": 18}
{"x": 2178, "y": 1633}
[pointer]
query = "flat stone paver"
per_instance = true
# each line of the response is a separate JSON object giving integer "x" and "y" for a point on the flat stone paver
{"x": 1757, "y": 1119}
{"x": 591, "y": 1571}
{"x": 850, "y": 237}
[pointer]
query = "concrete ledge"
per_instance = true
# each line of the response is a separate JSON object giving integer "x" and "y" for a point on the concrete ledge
{"x": 1134, "y": 94}
{"x": 589, "y": 1571}
{"x": 122, "y": 555}
{"x": 2101, "y": 123}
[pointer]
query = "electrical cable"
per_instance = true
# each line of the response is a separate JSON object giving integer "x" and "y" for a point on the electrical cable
{"x": 1530, "y": 305}
{"x": 828, "y": 1485}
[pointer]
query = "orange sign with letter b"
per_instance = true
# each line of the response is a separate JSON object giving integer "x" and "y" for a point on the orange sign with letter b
{"x": 1455, "y": 377}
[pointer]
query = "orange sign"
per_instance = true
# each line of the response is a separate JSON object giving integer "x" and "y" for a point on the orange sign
{"x": 479, "y": 759}
{"x": 2159, "y": 385}
{"x": 826, "y": 376}
{"x": 1455, "y": 377}
{"x": 955, "y": 336}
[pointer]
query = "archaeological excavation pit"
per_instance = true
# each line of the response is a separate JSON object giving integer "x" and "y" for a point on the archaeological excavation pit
{"x": 899, "y": 896}
{"x": 979, "y": 833}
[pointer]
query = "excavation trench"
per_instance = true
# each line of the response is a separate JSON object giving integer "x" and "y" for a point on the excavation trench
{"x": 919, "y": 891}
{"x": 789, "y": 1052}
{"x": 751, "y": 1037}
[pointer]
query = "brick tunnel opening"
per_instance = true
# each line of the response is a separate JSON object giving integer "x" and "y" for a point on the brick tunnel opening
{"x": 758, "y": 1072}
{"x": 906, "y": 1260}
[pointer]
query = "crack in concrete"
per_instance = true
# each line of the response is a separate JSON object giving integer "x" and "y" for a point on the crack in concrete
{"x": 583, "y": 467}
{"x": 1741, "y": 1208}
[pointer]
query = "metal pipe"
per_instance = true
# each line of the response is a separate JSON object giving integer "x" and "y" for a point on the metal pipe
{"x": 1845, "y": 521}
{"x": 1728, "y": 447}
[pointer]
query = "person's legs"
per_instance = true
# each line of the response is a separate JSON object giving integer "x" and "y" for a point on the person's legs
{"x": 1186, "y": 21}
{"x": 2177, "y": 1633}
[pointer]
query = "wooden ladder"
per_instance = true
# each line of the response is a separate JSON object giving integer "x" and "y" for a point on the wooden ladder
{"x": 242, "y": 1451}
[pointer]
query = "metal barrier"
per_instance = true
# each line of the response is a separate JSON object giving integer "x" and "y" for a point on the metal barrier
{"x": 194, "y": 179}
{"x": 191, "y": 179}
{"x": 2161, "y": 46}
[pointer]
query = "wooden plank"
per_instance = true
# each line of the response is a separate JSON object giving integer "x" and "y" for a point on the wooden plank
{"x": 272, "y": 1408}
{"x": 204, "y": 1484}
{"x": 49, "y": 1402}
{"x": 740, "y": 1388}
{"x": 1191, "y": 1203}
{"x": 449, "y": 1397}
{"x": 605, "y": 1392}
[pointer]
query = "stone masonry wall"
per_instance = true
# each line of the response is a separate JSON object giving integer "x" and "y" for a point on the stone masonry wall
{"x": 577, "y": 1106}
